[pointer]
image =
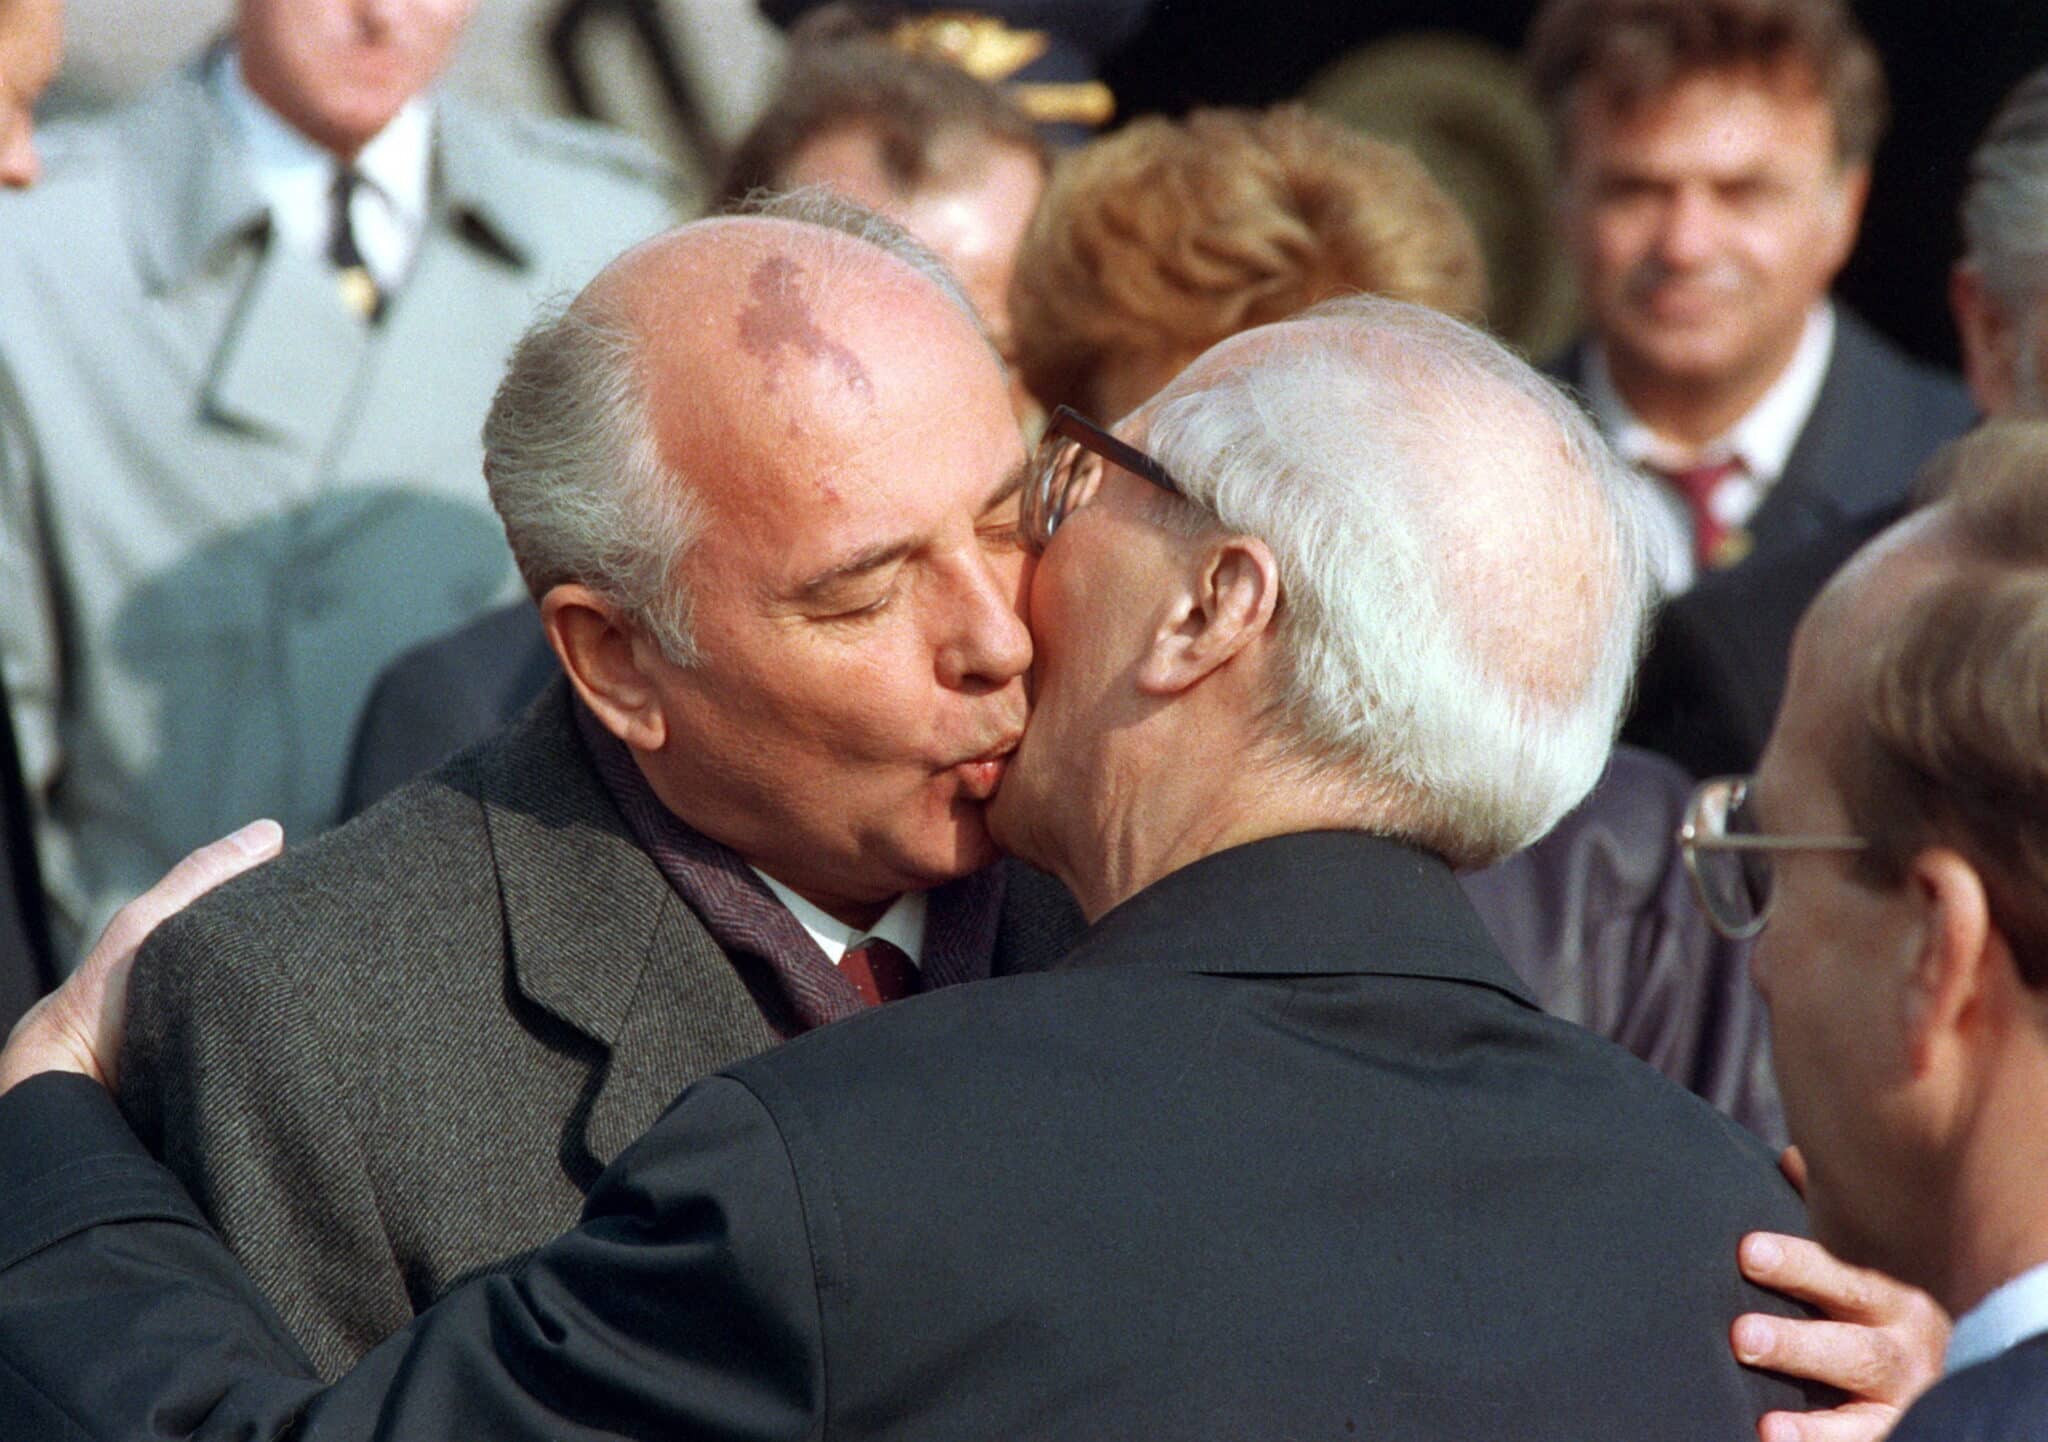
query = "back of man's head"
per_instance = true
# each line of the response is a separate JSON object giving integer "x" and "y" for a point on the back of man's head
{"x": 1622, "y": 53}
{"x": 1949, "y": 741}
{"x": 1462, "y": 565}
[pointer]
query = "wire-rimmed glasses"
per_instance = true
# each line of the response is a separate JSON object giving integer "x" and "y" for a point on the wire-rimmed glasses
{"x": 1730, "y": 861}
{"x": 1067, "y": 472}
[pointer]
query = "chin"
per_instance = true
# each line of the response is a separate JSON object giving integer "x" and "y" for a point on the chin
{"x": 966, "y": 848}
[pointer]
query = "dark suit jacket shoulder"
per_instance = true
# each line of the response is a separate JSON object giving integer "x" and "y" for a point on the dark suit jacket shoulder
{"x": 400, "y": 1054}
{"x": 1285, "y": 1150}
{"x": 1715, "y": 671}
{"x": 2004, "y": 1399}
{"x": 445, "y": 694}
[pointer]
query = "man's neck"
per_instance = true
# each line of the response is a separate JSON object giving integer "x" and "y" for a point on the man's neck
{"x": 1690, "y": 414}
{"x": 860, "y": 915}
{"x": 1140, "y": 833}
{"x": 2000, "y": 1225}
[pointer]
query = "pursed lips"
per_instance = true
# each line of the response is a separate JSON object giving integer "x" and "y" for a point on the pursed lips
{"x": 981, "y": 773}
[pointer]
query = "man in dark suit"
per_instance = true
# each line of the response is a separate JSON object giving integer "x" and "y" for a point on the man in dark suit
{"x": 1715, "y": 161}
{"x": 1284, "y": 1149}
{"x": 1714, "y": 678}
{"x": 1905, "y": 962}
{"x": 754, "y": 805}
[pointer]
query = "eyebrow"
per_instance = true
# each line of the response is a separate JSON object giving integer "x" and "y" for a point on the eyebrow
{"x": 1009, "y": 486}
{"x": 860, "y": 563}
{"x": 884, "y": 553}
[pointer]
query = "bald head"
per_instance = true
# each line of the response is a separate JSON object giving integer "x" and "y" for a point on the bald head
{"x": 755, "y": 329}
{"x": 688, "y": 369}
{"x": 31, "y": 43}
{"x": 1463, "y": 566}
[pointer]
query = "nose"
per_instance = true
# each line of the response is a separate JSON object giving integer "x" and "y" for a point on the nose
{"x": 986, "y": 645}
{"x": 1689, "y": 232}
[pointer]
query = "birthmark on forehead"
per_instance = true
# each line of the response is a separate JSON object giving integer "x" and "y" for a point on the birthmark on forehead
{"x": 778, "y": 318}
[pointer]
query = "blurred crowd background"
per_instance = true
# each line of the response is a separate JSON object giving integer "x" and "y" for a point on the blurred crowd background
{"x": 1441, "y": 76}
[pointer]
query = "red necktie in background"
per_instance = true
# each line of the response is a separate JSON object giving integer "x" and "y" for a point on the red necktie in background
{"x": 1714, "y": 542}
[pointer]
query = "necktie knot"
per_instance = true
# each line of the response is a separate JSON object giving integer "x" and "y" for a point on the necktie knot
{"x": 880, "y": 971}
{"x": 1715, "y": 541}
{"x": 359, "y": 289}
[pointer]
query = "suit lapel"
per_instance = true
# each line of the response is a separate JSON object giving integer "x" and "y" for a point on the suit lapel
{"x": 287, "y": 359}
{"x": 596, "y": 936}
{"x": 292, "y": 356}
{"x": 1847, "y": 463}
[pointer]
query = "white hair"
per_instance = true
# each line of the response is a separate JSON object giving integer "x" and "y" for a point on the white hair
{"x": 1464, "y": 581}
{"x": 2005, "y": 221}
{"x": 570, "y": 454}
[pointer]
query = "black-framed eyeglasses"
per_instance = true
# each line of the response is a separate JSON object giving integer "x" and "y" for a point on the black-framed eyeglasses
{"x": 1067, "y": 473}
{"x": 1729, "y": 860}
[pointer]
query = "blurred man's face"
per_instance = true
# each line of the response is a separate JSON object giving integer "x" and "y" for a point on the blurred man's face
{"x": 31, "y": 43}
{"x": 856, "y": 589}
{"x": 1835, "y": 960}
{"x": 973, "y": 215}
{"x": 339, "y": 70}
{"x": 1705, "y": 223}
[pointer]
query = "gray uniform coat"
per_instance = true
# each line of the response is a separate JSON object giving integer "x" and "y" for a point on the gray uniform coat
{"x": 225, "y": 501}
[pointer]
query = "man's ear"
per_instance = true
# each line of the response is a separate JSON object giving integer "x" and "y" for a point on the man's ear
{"x": 1231, "y": 594}
{"x": 1851, "y": 194}
{"x": 1945, "y": 994}
{"x": 1988, "y": 339}
{"x": 608, "y": 661}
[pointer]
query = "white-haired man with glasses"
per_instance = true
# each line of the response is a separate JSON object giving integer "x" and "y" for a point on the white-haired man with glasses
{"x": 1282, "y": 1149}
{"x": 1890, "y": 855}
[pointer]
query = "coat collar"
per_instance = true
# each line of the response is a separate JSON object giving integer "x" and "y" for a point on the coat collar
{"x": 1851, "y": 460}
{"x": 597, "y": 937}
{"x": 185, "y": 196}
{"x": 487, "y": 190}
{"x": 1316, "y": 902}
{"x": 188, "y": 196}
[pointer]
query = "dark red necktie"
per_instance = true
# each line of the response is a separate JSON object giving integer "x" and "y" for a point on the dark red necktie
{"x": 1713, "y": 540}
{"x": 880, "y": 971}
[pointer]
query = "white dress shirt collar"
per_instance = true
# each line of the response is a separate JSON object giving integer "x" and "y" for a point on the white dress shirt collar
{"x": 902, "y": 924}
{"x": 1763, "y": 438}
{"x": 295, "y": 177}
{"x": 2011, "y": 1314}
